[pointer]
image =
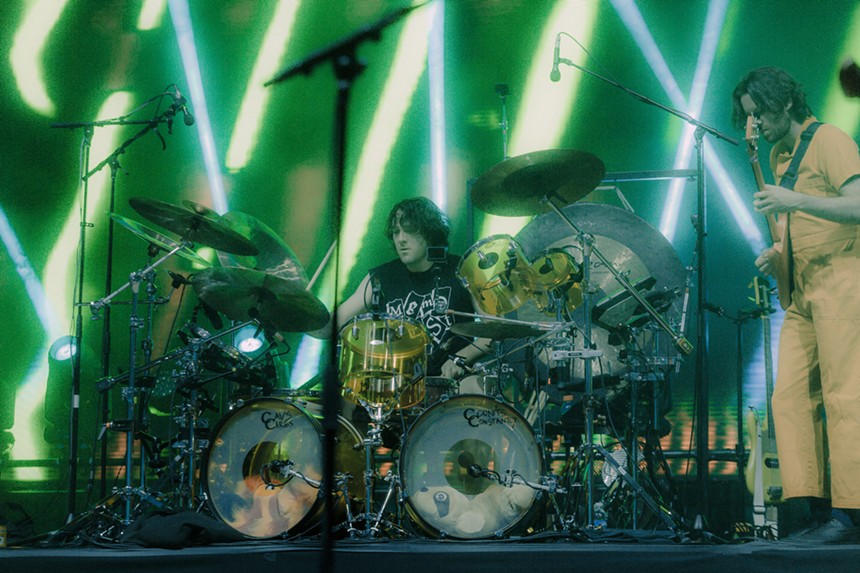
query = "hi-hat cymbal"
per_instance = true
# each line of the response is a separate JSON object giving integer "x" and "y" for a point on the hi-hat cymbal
{"x": 244, "y": 294}
{"x": 203, "y": 228}
{"x": 155, "y": 238}
{"x": 495, "y": 330}
{"x": 516, "y": 187}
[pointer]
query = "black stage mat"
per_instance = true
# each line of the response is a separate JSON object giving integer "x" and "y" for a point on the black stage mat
{"x": 611, "y": 552}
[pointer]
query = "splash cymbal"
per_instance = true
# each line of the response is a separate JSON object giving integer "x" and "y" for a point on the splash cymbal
{"x": 205, "y": 228}
{"x": 155, "y": 238}
{"x": 517, "y": 186}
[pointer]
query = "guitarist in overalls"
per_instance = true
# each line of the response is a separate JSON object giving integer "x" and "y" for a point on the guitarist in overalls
{"x": 817, "y": 201}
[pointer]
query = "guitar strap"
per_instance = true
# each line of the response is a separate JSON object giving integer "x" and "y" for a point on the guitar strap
{"x": 788, "y": 179}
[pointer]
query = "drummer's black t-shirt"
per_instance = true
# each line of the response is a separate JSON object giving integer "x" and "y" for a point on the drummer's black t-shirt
{"x": 409, "y": 294}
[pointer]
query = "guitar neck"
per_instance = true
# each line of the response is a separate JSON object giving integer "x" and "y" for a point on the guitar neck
{"x": 772, "y": 225}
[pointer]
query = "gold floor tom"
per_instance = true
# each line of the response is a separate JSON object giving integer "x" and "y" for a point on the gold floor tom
{"x": 382, "y": 361}
{"x": 497, "y": 273}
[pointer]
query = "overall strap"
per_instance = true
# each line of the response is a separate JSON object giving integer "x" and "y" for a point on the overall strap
{"x": 789, "y": 178}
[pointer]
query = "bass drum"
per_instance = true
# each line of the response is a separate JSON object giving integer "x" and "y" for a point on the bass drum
{"x": 443, "y": 453}
{"x": 236, "y": 467}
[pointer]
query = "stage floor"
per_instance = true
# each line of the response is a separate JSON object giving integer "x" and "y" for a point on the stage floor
{"x": 610, "y": 551}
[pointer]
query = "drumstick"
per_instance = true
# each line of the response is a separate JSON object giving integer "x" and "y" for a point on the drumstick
{"x": 321, "y": 265}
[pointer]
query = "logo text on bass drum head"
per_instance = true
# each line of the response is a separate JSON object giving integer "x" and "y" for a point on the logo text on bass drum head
{"x": 272, "y": 420}
{"x": 486, "y": 417}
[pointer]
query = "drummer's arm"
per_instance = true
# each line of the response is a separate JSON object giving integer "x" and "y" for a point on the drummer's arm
{"x": 470, "y": 354}
{"x": 349, "y": 308}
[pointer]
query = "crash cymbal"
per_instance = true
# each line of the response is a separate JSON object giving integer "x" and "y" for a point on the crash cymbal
{"x": 201, "y": 228}
{"x": 515, "y": 187}
{"x": 155, "y": 238}
{"x": 244, "y": 294}
{"x": 275, "y": 256}
{"x": 495, "y": 330}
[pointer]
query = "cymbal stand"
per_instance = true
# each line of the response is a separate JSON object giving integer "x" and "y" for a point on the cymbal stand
{"x": 130, "y": 393}
{"x": 188, "y": 374}
{"x": 589, "y": 448}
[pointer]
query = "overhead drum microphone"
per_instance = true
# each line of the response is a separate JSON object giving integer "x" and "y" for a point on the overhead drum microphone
{"x": 555, "y": 75}
{"x": 180, "y": 103}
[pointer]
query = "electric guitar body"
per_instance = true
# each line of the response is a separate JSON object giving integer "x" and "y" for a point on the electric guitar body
{"x": 762, "y": 470}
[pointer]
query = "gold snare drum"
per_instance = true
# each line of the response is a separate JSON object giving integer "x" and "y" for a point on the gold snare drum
{"x": 497, "y": 273}
{"x": 382, "y": 361}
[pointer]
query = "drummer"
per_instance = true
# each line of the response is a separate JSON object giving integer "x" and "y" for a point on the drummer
{"x": 420, "y": 284}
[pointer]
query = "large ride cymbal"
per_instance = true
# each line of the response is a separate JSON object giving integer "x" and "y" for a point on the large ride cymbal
{"x": 244, "y": 294}
{"x": 516, "y": 187}
{"x": 155, "y": 238}
{"x": 204, "y": 228}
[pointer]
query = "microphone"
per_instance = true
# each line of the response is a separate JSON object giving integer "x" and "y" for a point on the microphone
{"x": 476, "y": 471}
{"x": 178, "y": 280}
{"x": 555, "y": 75}
{"x": 376, "y": 295}
{"x": 461, "y": 362}
{"x": 179, "y": 103}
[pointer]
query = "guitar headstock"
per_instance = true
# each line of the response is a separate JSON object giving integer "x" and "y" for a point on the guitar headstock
{"x": 751, "y": 135}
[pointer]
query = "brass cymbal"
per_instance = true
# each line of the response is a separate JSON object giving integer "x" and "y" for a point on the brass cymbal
{"x": 495, "y": 330}
{"x": 155, "y": 238}
{"x": 244, "y": 294}
{"x": 205, "y": 228}
{"x": 516, "y": 186}
{"x": 275, "y": 256}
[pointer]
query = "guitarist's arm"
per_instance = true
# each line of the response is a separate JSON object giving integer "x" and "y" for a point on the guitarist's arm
{"x": 843, "y": 208}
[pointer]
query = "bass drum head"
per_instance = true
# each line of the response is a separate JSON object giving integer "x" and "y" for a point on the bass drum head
{"x": 442, "y": 498}
{"x": 247, "y": 439}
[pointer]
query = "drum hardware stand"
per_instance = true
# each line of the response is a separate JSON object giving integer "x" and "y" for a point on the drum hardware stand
{"x": 131, "y": 392}
{"x": 700, "y": 221}
{"x": 372, "y": 521}
{"x": 589, "y": 448}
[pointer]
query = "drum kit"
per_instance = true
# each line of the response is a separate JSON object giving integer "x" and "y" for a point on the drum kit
{"x": 470, "y": 459}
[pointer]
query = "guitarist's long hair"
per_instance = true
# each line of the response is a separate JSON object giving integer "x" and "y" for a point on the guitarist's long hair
{"x": 771, "y": 89}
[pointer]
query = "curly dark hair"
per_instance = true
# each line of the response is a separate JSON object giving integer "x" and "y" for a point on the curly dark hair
{"x": 421, "y": 216}
{"x": 771, "y": 89}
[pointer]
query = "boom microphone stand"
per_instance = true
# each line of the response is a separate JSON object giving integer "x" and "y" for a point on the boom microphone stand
{"x": 113, "y": 161}
{"x": 702, "y": 446}
{"x": 347, "y": 67}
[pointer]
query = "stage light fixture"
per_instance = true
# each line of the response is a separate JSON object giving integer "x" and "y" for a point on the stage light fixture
{"x": 64, "y": 348}
{"x": 249, "y": 340}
